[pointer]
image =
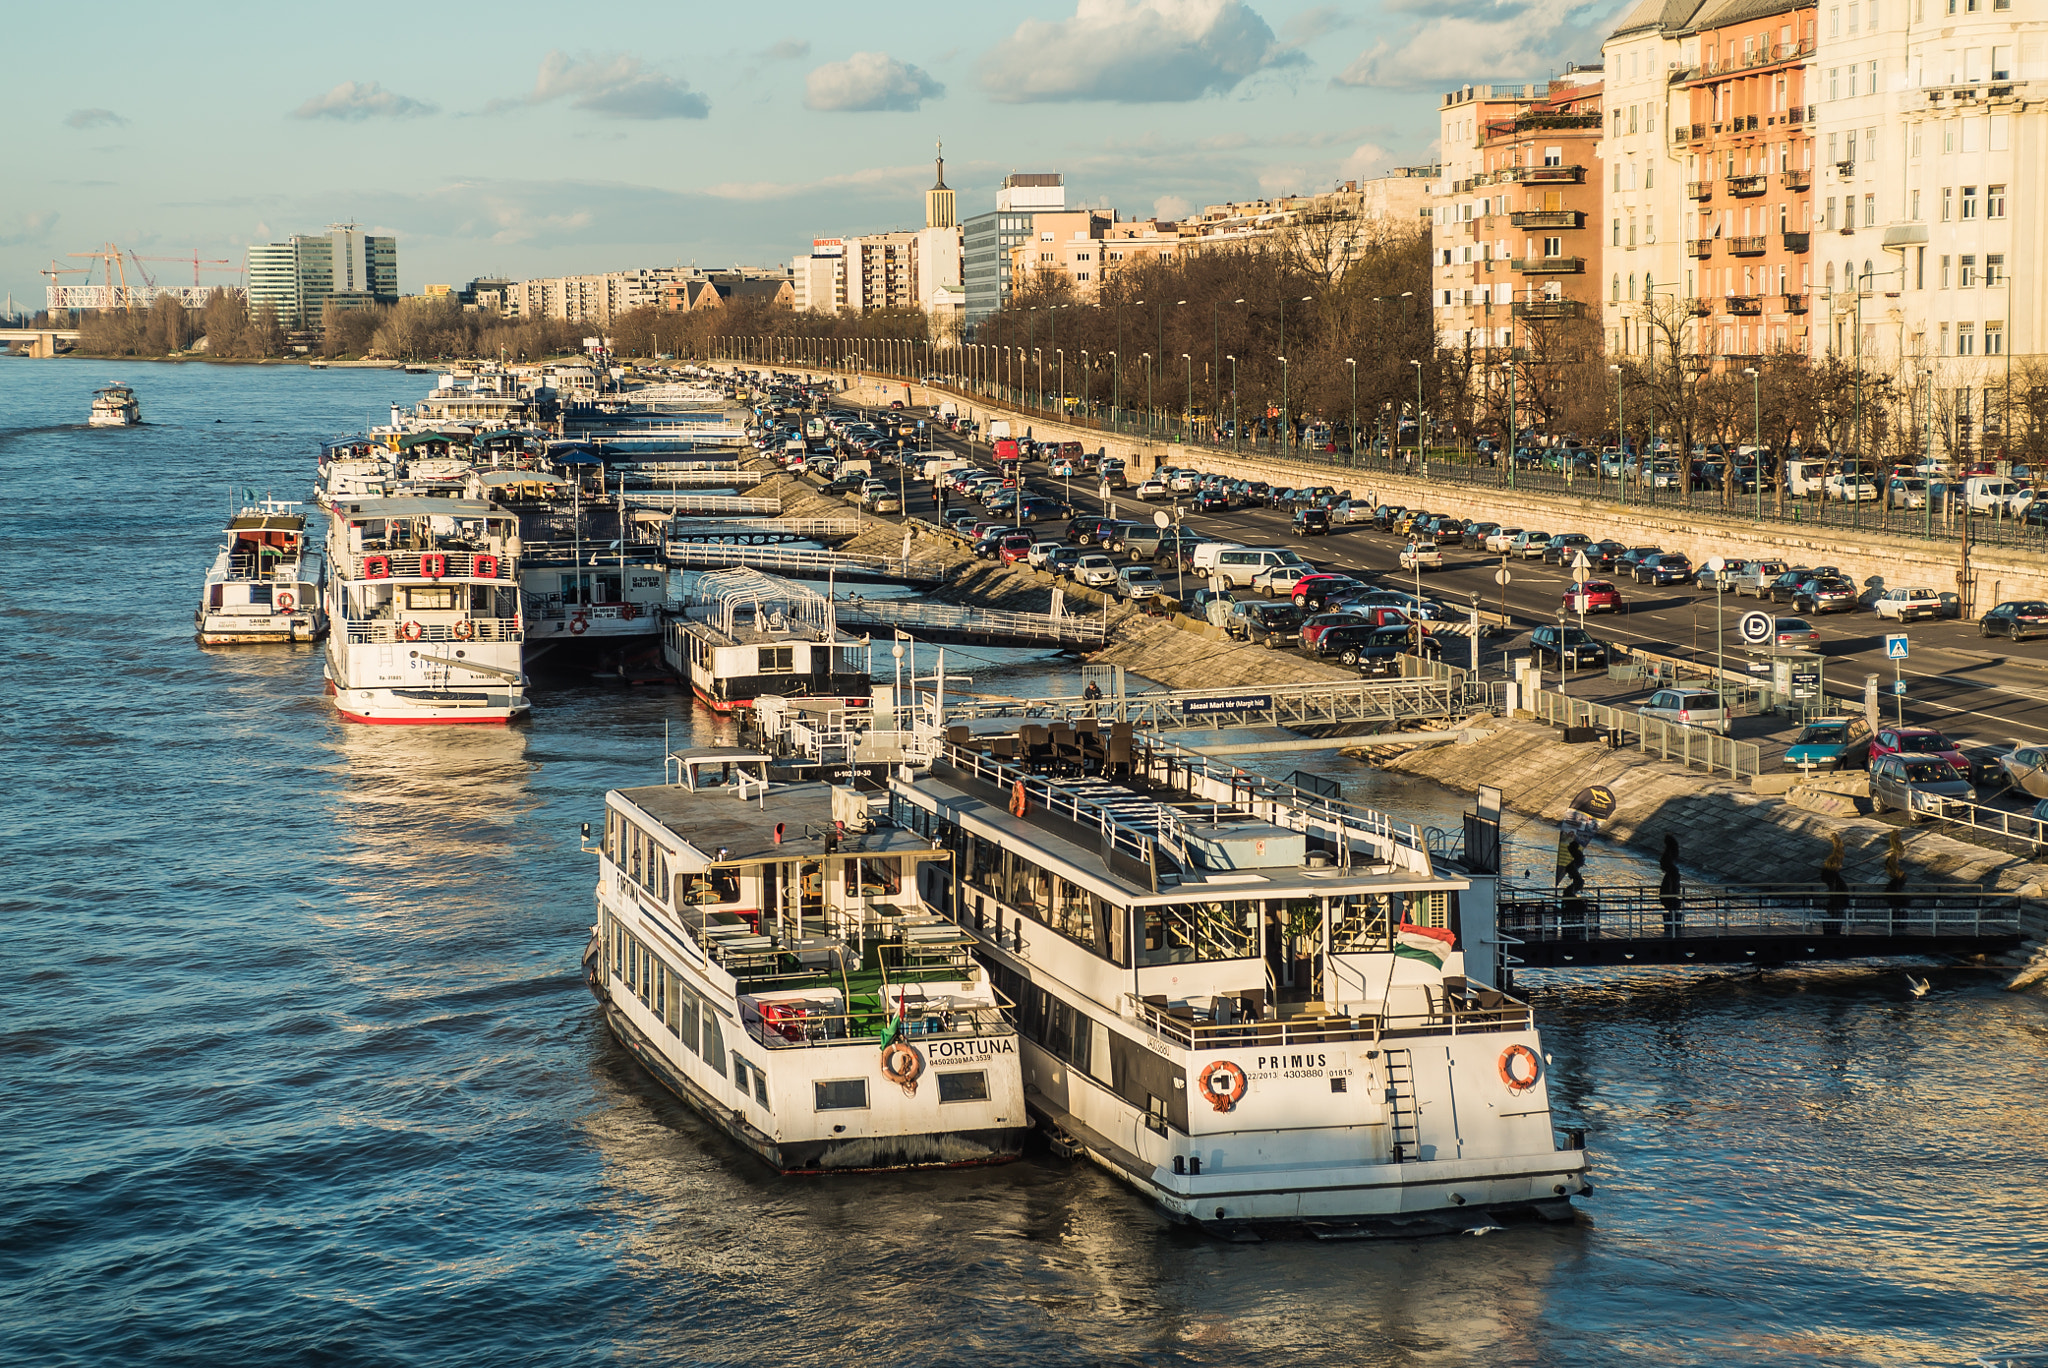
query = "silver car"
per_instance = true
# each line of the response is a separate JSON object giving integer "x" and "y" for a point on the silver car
{"x": 1916, "y": 784}
{"x": 1096, "y": 570}
{"x": 1688, "y": 708}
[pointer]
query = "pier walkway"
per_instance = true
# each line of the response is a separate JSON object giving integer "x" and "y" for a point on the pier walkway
{"x": 758, "y": 531}
{"x": 1371, "y": 702}
{"x": 947, "y": 625}
{"x": 801, "y": 564}
{"x": 707, "y": 505}
{"x": 1762, "y": 924}
{"x": 695, "y": 477}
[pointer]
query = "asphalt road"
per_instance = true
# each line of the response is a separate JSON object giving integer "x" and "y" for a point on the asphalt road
{"x": 1981, "y": 692}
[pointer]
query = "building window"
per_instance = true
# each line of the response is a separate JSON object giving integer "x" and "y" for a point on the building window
{"x": 1944, "y": 339}
{"x": 1944, "y": 273}
{"x": 1994, "y": 201}
{"x": 1969, "y": 202}
{"x": 1869, "y": 210}
{"x": 1080, "y": 275}
{"x": 1834, "y": 83}
{"x": 1553, "y": 156}
{"x": 1994, "y": 339}
{"x": 1966, "y": 339}
{"x": 1617, "y": 232}
{"x": 1967, "y": 271}
{"x": 1649, "y": 227}
{"x": 1553, "y": 246}
{"x": 1994, "y": 270}
{"x": 1948, "y": 203}
{"x": 1617, "y": 287}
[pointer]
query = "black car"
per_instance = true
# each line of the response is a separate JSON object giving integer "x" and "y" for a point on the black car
{"x": 1449, "y": 532}
{"x": 1564, "y": 550}
{"x": 1276, "y": 626}
{"x": 1825, "y": 594}
{"x": 1375, "y": 650}
{"x": 1605, "y": 554}
{"x": 1566, "y": 646}
{"x": 1090, "y": 531}
{"x": 1212, "y": 501}
{"x": 1625, "y": 563}
{"x": 2015, "y": 618}
{"x": 1476, "y": 534}
{"x": 1786, "y": 585}
{"x": 1311, "y": 522}
{"x": 1671, "y": 567}
{"x": 1386, "y": 515}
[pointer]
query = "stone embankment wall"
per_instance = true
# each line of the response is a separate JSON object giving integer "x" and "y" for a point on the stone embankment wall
{"x": 1874, "y": 560}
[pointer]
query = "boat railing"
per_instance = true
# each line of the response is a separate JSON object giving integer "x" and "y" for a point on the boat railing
{"x": 1043, "y": 793}
{"x": 1450, "y": 1013}
{"x": 553, "y": 607}
{"x": 380, "y": 631}
{"x": 456, "y": 565}
{"x": 785, "y": 1025}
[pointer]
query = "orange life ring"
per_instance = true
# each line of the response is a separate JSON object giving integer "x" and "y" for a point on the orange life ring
{"x": 1019, "y": 803}
{"x": 1231, "y": 1080}
{"x": 902, "y": 1065}
{"x": 1522, "y": 1079}
{"x": 285, "y": 602}
{"x": 433, "y": 565}
{"x": 412, "y": 631}
{"x": 486, "y": 567}
{"x": 464, "y": 630}
{"x": 376, "y": 567}
{"x": 578, "y": 625}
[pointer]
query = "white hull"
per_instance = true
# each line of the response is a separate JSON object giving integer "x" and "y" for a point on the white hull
{"x": 218, "y": 629}
{"x": 99, "y": 419}
{"x": 428, "y": 706}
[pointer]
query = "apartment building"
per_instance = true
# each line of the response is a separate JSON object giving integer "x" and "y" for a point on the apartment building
{"x": 1515, "y": 222}
{"x": 819, "y": 279}
{"x": 1332, "y": 229}
{"x": 881, "y": 272}
{"x": 1748, "y": 152}
{"x": 300, "y": 276}
{"x": 1643, "y": 150}
{"x": 988, "y": 240}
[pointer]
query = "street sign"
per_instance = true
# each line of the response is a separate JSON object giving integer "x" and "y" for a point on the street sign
{"x": 1159, "y": 518}
{"x": 1896, "y": 646}
{"x": 1581, "y": 567}
{"x": 1899, "y": 687}
{"x": 1756, "y": 628}
{"x": 1501, "y": 576}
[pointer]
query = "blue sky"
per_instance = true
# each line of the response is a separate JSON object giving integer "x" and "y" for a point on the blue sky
{"x": 503, "y": 139}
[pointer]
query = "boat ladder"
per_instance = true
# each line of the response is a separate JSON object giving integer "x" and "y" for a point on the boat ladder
{"x": 1401, "y": 1117}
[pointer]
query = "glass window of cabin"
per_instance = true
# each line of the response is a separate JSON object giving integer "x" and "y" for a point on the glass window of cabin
{"x": 966, "y": 1086}
{"x": 429, "y": 597}
{"x": 1360, "y": 922}
{"x": 1179, "y": 933}
{"x": 633, "y": 853}
{"x": 739, "y": 1073}
{"x": 714, "y": 1041}
{"x": 684, "y": 1013}
{"x": 841, "y": 1094}
{"x": 660, "y": 996}
{"x": 761, "y": 1088}
{"x": 776, "y": 659}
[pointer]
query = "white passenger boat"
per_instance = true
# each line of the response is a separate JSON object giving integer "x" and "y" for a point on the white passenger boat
{"x": 761, "y": 948}
{"x": 743, "y": 634}
{"x": 1243, "y": 1000}
{"x": 423, "y": 596}
{"x": 265, "y": 585}
{"x": 115, "y": 406}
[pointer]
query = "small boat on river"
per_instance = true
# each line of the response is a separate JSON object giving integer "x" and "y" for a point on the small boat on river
{"x": 115, "y": 406}
{"x": 763, "y": 950}
{"x": 265, "y": 585}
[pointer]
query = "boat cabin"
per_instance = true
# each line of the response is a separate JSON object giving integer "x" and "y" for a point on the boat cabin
{"x": 744, "y": 635}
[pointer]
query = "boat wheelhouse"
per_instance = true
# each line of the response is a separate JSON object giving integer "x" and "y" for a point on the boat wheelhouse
{"x": 762, "y": 949}
{"x": 265, "y": 585}
{"x": 114, "y": 406}
{"x": 1242, "y": 999}
{"x": 423, "y": 602}
{"x": 743, "y": 634}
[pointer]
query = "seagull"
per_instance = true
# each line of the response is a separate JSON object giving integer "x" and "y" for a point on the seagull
{"x": 1482, "y": 1230}
{"x": 1917, "y": 987}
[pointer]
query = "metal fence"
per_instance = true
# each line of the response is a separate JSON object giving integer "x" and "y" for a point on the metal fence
{"x": 1693, "y": 747}
{"x": 2022, "y": 828}
{"x": 708, "y": 505}
{"x": 1374, "y": 702}
{"x": 912, "y": 615}
{"x": 1638, "y": 912}
{"x": 815, "y": 564}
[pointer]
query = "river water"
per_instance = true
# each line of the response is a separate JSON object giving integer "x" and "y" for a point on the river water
{"x": 296, "y": 1066}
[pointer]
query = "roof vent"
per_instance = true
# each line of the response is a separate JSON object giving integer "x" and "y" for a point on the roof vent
{"x": 1318, "y": 860}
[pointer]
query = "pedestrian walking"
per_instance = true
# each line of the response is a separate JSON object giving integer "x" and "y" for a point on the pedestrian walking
{"x": 1668, "y": 888}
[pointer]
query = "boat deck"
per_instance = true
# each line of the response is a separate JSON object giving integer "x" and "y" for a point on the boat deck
{"x": 719, "y": 818}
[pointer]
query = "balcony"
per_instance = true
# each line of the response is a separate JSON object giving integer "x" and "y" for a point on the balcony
{"x": 1550, "y": 265}
{"x": 1695, "y": 363}
{"x": 1737, "y": 362}
{"x": 1701, "y": 248}
{"x": 1544, "y": 175}
{"x": 1797, "y": 242}
{"x": 1798, "y": 115}
{"x": 1795, "y": 303}
{"x": 1796, "y": 180}
{"x": 1745, "y": 305}
{"x": 1742, "y": 187}
{"x": 1698, "y": 307}
{"x": 1549, "y": 308}
{"x": 1547, "y": 218}
{"x": 1699, "y": 190}
{"x": 1747, "y": 246}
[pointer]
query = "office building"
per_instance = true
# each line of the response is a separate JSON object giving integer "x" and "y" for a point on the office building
{"x": 988, "y": 240}
{"x": 298, "y": 277}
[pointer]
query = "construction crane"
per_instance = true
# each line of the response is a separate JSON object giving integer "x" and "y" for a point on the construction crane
{"x": 110, "y": 257}
{"x": 196, "y": 263}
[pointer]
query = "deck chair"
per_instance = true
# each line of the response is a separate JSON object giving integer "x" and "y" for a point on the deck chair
{"x": 1116, "y": 756}
{"x": 1036, "y": 740}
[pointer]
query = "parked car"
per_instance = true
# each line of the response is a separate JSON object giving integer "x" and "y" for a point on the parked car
{"x": 1090, "y": 531}
{"x": 1313, "y": 625}
{"x": 1915, "y": 783}
{"x": 1566, "y": 647}
{"x": 1601, "y": 597}
{"x": 1688, "y": 708}
{"x": 1278, "y": 581}
{"x": 1476, "y": 534}
{"x": 1041, "y": 552}
{"x": 1564, "y": 550}
{"x": 1916, "y": 741}
{"x": 1671, "y": 567}
{"x": 1311, "y": 522}
{"x": 1376, "y": 650}
{"x": 1794, "y": 634}
{"x": 1096, "y": 570}
{"x": 1153, "y": 488}
{"x": 1911, "y": 605}
{"x": 1756, "y": 580}
{"x": 1848, "y": 487}
{"x": 1062, "y": 559}
{"x": 1016, "y": 547}
{"x": 1603, "y": 554}
{"x": 1625, "y": 563}
{"x": 1832, "y": 743}
{"x": 2015, "y": 618}
{"x": 1786, "y": 585}
{"x": 1529, "y": 545}
{"x": 1720, "y": 574}
{"x": 1825, "y": 594}
{"x": 1502, "y": 539}
{"x": 1272, "y": 625}
{"x": 1416, "y": 556}
{"x": 1312, "y": 593}
{"x": 1199, "y": 601}
{"x": 1135, "y": 582}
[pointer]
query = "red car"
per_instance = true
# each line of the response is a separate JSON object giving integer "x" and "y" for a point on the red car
{"x": 1015, "y": 548}
{"x": 1601, "y": 597}
{"x": 1317, "y": 586}
{"x": 1916, "y": 741}
{"x": 1323, "y": 622}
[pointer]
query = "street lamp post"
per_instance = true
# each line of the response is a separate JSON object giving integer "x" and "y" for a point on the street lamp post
{"x": 1284, "y": 428}
{"x": 1116, "y": 392}
{"x": 1286, "y": 419}
{"x": 1756, "y": 453}
{"x": 1148, "y": 392}
{"x": 1351, "y": 438}
{"x": 1421, "y": 453}
{"x": 1236, "y": 434}
{"x": 1187, "y": 402}
{"x": 1514, "y": 416}
{"x": 1620, "y": 437}
{"x": 1060, "y": 401}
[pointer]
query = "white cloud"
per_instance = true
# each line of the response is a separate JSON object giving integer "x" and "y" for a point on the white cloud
{"x": 28, "y": 228}
{"x": 886, "y": 180}
{"x": 356, "y": 100}
{"x": 1425, "y": 43}
{"x": 1309, "y": 25}
{"x": 1170, "y": 207}
{"x": 1366, "y": 161}
{"x": 618, "y": 87}
{"x": 869, "y": 81}
{"x": 787, "y": 49}
{"x": 93, "y": 118}
{"x": 1134, "y": 52}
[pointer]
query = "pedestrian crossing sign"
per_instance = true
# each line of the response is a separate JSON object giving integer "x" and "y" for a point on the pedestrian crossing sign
{"x": 1895, "y": 646}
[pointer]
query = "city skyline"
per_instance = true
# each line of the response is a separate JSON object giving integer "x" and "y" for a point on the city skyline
{"x": 730, "y": 138}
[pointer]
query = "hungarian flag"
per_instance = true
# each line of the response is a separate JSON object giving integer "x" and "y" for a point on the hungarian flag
{"x": 1427, "y": 943}
{"x": 894, "y": 1028}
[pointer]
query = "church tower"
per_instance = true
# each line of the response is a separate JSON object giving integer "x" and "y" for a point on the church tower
{"x": 938, "y": 201}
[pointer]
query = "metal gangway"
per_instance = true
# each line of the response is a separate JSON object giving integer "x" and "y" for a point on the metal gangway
{"x": 1382, "y": 703}
{"x": 695, "y": 477}
{"x": 954, "y": 626}
{"x": 759, "y": 531}
{"x": 1605, "y": 926}
{"x": 805, "y": 564}
{"x": 707, "y": 505}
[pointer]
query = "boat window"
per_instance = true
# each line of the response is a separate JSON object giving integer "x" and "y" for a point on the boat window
{"x": 428, "y": 597}
{"x": 1178, "y": 933}
{"x": 841, "y": 1094}
{"x": 969, "y": 1086}
{"x": 777, "y": 659}
{"x": 739, "y": 1073}
{"x": 1362, "y": 921}
{"x": 761, "y": 1088}
{"x": 714, "y": 1041}
{"x": 683, "y": 1012}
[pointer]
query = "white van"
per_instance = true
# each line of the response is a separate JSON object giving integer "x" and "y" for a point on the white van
{"x": 1989, "y": 494}
{"x": 940, "y": 466}
{"x": 1804, "y": 477}
{"x": 998, "y": 428}
{"x": 1207, "y": 552}
{"x": 948, "y": 410}
{"x": 1238, "y": 566}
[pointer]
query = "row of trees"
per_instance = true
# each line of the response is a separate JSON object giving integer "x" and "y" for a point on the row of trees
{"x": 229, "y": 329}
